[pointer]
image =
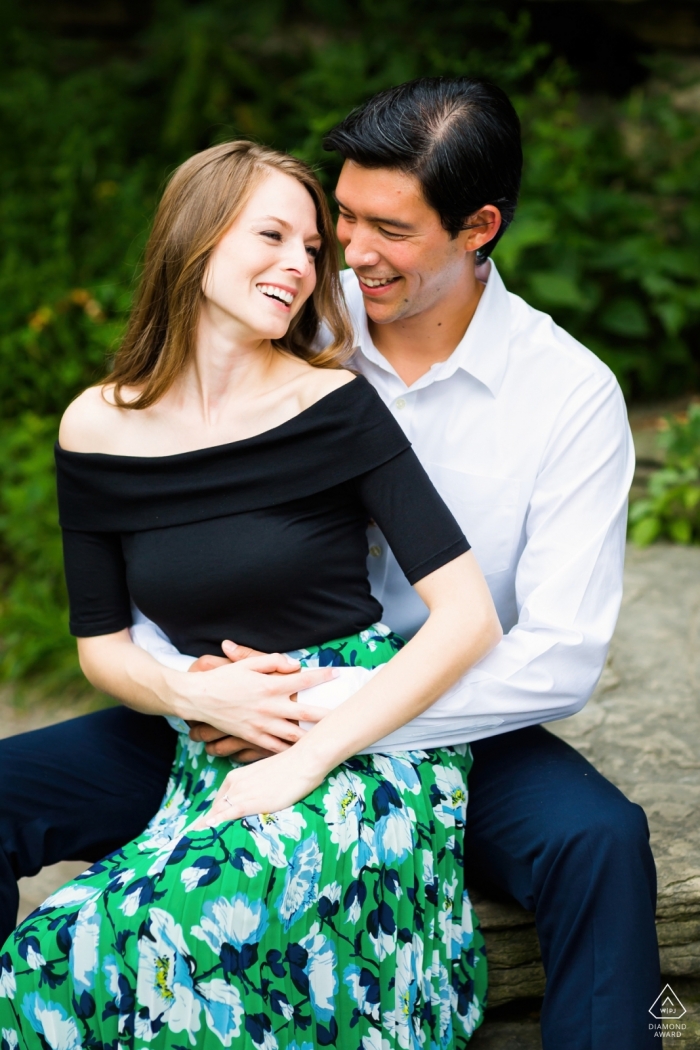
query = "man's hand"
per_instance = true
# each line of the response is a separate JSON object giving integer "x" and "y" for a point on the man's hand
{"x": 208, "y": 663}
{"x": 223, "y": 745}
{"x": 216, "y": 742}
{"x": 234, "y": 653}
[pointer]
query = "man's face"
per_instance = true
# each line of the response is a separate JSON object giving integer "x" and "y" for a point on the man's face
{"x": 394, "y": 241}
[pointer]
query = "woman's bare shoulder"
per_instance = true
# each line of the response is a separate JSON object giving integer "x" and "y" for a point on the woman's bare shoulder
{"x": 90, "y": 423}
{"x": 323, "y": 381}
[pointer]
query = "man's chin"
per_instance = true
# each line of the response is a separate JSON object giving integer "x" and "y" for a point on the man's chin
{"x": 382, "y": 313}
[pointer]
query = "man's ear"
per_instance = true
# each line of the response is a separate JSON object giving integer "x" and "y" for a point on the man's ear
{"x": 480, "y": 228}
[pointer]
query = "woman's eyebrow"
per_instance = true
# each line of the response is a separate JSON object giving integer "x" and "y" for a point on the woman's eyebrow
{"x": 274, "y": 218}
{"x": 283, "y": 222}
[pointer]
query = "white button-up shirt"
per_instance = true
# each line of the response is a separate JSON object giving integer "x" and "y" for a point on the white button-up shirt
{"x": 524, "y": 433}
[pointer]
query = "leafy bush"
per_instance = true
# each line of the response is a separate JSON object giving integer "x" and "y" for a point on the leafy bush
{"x": 87, "y": 142}
{"x": 33, "y": 618}
{"x": 606, "y": 238}
{"x": 607, "y": 235}
{"x": 672, "y": 507}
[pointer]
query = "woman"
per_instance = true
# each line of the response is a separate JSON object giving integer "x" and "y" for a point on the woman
{"x": 222, "y": 479}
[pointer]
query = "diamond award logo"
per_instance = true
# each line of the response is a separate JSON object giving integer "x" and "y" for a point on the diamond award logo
{"x": 668, "y": 1006}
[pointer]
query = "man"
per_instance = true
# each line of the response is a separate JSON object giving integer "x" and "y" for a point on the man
{"x": 524, "y": 432}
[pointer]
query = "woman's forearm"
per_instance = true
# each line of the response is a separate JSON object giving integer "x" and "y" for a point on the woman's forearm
{"x": 457, "y": 634}
{"x": 250, "y": 699}
{"x": 113, "y": 664}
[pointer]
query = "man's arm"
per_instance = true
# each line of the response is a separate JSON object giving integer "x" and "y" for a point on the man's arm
{"x": 147, "y": 636}
{"x": 568, "y": 579}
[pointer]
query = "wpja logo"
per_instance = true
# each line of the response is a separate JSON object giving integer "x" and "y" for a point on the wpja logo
{"x": 667, "y": 1010}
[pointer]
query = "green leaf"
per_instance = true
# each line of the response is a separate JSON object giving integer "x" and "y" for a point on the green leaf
{"x": 625, "y": 316}
{"x": 645, "y": 531}
{"x": 680, "y": 531}
{"x": 691, "y": 496}
{"x": 527, "y": 231}
{"x": 558, "y": 289}
{"x": 641, "y": 508}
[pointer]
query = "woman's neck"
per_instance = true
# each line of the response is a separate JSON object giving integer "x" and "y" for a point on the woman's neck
{"x": 230, "y": 367}
{"x": 229, "y": 363}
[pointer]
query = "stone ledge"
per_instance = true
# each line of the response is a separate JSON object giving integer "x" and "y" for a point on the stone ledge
{"x": 641, "y": 729}
{"x": 515, "y": 967}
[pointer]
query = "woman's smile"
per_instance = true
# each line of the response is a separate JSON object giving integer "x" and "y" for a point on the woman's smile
{"x": 282, "y": 295}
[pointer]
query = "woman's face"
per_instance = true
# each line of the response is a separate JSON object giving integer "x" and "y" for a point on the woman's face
{"x": 263, "y": 269}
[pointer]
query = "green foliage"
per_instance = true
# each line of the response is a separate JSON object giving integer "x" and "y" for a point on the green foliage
{"x": 86, "y": 143}
{"x": 33, "y": 604}
{"x": 671, "y": 509}
{"x": 606, "y": 238}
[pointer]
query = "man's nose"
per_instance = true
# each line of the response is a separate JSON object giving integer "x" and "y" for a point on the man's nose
{"x": 360, "y": 251}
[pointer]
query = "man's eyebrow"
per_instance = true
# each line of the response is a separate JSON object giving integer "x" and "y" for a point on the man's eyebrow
{"x": 380, "y": 221}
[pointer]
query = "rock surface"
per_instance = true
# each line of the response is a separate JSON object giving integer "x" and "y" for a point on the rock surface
{"x": 515, "y": 967}
{"x": 641, "y": 729}
{"x": 35, "y": 890}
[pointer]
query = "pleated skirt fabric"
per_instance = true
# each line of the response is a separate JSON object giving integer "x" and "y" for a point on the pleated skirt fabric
{"x": 342, "y": 921}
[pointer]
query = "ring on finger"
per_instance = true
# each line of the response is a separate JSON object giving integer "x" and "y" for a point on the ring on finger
{"x": 228, "y": 800}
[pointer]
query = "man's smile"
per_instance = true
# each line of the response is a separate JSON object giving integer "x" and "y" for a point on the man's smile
{"x": 376, "y": 286}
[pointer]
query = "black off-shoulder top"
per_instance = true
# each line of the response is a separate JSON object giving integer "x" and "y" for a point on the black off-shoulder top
{"x": 261, "y": 540}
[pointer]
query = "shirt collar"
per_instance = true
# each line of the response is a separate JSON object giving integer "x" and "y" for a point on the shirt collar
{"x": 482, "y": 352}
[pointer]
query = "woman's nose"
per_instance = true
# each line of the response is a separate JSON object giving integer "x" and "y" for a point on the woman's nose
{"x": 298, "y": 259}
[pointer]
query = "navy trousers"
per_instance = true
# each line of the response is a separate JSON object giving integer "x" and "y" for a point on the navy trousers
{"x": 543, "y": 825}
{"x": 546, "y": 827}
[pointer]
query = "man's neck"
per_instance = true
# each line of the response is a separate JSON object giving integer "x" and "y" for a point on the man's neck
{"x": 412, "y": 345}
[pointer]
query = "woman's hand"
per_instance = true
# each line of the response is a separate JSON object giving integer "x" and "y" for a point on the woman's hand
{"x": 263, "y": 787}
{"x": 223, "y": 745}
{"x": 249, "y": 699}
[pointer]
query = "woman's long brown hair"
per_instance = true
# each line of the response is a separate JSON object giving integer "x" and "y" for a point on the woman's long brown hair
{"x": 202, "y": 199}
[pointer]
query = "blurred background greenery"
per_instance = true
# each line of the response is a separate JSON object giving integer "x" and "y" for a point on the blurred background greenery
{"x": 99, "y": 102}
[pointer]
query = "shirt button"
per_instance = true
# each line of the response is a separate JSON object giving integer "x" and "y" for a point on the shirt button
{"x": 375, "y": 550}
{"x": 401, "y": 403}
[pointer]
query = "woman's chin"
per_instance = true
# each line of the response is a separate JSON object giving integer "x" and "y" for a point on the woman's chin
{"x": 272, "y": 323}
{"x": 274, "y": 332}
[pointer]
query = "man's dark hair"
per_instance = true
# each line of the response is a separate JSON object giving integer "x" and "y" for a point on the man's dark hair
{"x": 460, "y": 137}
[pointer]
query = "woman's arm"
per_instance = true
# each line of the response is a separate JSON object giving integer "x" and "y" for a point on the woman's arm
{"x": 249, "y": 699}
{"x": 461, "y": 629}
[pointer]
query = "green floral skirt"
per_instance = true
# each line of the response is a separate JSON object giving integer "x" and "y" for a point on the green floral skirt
{"x": 342, "y": 921}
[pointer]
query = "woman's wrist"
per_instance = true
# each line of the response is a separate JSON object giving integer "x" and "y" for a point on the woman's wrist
{"x": 179, "y": 693}
{"x": 318, "y": 756}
